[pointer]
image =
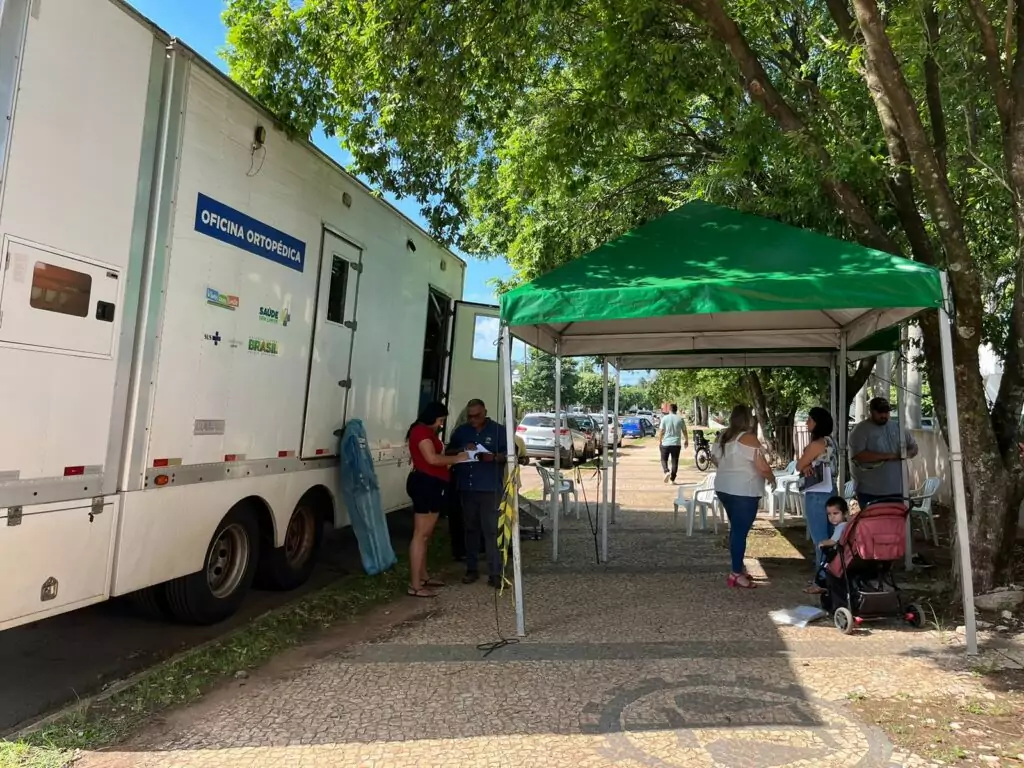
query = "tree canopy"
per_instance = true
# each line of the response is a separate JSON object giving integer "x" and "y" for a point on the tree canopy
{"x": 541, "y": 129}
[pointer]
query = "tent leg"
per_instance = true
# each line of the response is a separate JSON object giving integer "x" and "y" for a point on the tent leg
{"x": 510, "y": 436}
{"x": 615, "y": 433}
{"x": 901, "y": 415}
{"x": 956, "y": 460}
{"x": 604, "y": 466}
{"x": 842, "y": 414}
{"x": 556, "y": 491}
{"x": 833, "y": 401}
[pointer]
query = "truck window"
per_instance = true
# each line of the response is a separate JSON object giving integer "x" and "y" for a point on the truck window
{"x": 338, "y": 290}
{"x": 485, "y": 337}
{"x": 56, "y": 289}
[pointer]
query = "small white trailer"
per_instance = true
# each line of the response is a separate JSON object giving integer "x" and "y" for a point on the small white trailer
{"x": 191, "y": 304}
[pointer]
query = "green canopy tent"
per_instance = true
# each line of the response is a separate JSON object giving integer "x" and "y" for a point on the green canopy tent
{"x": 704, "y": 278}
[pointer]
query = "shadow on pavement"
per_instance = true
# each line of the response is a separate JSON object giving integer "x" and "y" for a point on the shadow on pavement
{"x": 77, "y": 654}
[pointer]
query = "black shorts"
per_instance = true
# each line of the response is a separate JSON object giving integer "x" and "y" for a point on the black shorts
{"x": 428, "y": 493}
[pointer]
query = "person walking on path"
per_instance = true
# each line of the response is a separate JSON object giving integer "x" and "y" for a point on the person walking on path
{"x": 672, "y": 438}
{"x": 426, "y": 486}
{"x": 481, "y": 485}
{"x": 875, "y": 456}
{"x": 739, "y": 484}
{"x": 818, "y": 466}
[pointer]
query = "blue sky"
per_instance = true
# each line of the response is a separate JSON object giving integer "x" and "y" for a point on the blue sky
{"x": 197, "y": 22}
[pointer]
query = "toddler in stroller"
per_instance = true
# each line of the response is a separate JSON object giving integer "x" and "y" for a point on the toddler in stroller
{"x": 858, "y": 578}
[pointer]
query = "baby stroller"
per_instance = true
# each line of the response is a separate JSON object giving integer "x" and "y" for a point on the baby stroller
{"x": 859, "y": 580}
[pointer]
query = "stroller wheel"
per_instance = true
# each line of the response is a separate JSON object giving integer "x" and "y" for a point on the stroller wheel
{"x": 844, "y": 620}
{"x": 914, "y": 616}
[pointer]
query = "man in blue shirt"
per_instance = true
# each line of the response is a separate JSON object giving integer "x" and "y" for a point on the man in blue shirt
{"x": 481, "y": 485}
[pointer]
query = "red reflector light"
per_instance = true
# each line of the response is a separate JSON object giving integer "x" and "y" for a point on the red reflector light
{"x": 283, "y": 454}
{"x": 161, "y": 462}
{"x": 520, "y": 429}
{"x": 231, "y": 457}
{"x": 321, "y": 451}
{"x": 563, "y": 431}
{"x": 72, "y": 471}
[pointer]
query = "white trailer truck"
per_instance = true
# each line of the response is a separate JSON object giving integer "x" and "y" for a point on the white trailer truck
{"x": 191, "y": 304}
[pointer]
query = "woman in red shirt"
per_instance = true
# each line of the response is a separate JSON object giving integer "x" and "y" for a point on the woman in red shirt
{"x": 426, "y": 486}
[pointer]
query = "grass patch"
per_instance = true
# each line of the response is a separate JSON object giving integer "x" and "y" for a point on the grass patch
{"x": 989, "y": 728}
{"x": 188, "y": 678}
{"x": 19, "y": 755}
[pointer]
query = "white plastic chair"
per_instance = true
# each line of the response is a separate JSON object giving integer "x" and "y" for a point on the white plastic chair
{"x": 850, "y": 489}
{"x": 567, "y": 491}
{"x": 921, "y": 507}
{"x": 700, "y": 499}
{"x": 779, "y": 501}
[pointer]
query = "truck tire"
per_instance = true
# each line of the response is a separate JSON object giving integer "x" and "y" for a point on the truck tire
{"x": 289, "y": 566}
{"x": 149, "y": 602}
{"x": 215, "y": 592}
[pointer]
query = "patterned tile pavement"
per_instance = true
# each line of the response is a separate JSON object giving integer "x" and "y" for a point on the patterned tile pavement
{"x": 647, "y": 662}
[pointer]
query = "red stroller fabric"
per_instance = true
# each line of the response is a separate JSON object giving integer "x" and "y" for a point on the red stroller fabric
{"x": 876, "y": 533}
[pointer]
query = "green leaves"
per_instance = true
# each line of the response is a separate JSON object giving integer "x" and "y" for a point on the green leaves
{"x": 539, "y": 130}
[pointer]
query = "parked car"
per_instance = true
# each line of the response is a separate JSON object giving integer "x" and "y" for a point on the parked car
{"x": 612, "y": 430}
{"x": 637, "y": 427}
{"x": 651, "y": 416}
{"x": 537, "y": 431}
{"x": 587, "y": 424}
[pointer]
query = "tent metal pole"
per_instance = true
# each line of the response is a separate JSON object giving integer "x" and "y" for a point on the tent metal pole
{"x": 604, "y": 465}
{"x": 615, "y": 435}
{"x": 556, "y": 491}
{"x": 842, "y": 416}
{"x": 510, "y": 437}
{"x": 956, "y": 460}
{"x": 832, "y": 398}
{"x": 901, "y": 414}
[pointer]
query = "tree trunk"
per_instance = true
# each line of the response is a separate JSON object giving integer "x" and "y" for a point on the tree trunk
{"x": 993, "y": 483}
{"x": 761, "y": 408}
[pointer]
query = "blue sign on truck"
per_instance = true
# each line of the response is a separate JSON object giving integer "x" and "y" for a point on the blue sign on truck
{"x": 236, "y": 228}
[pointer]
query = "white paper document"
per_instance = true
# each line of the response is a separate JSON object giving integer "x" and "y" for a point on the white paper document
{"x": 800, "y": 616}
{"x": 474, "y": 453}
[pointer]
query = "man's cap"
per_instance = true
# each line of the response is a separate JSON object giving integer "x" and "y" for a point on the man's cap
{"x": 879, "y": 405}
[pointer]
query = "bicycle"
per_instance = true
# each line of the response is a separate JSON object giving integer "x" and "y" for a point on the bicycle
{"x": 701, "y": 450}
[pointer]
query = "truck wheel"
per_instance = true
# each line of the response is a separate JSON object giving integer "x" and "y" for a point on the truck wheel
{"x": 215, "y": 592}
{"x": 290, "y": 566}
{"x": 150, "y": 602}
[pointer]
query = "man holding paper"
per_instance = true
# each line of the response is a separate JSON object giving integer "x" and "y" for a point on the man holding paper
{"x": 480, "y": 482}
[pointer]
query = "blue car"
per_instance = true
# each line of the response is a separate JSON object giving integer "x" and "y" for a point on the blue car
{"x": 637, "y": 427}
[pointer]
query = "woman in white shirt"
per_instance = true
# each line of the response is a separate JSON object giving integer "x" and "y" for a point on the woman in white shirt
{"x": 818, "y": 466}
{"x": 739, "y": 484}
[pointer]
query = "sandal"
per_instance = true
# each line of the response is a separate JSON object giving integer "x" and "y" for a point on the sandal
{"x": 814, "y": 589}
{"x": 432, "y": 582}
{"x": 740, "y": 581}
{"x": 413, "y": 592}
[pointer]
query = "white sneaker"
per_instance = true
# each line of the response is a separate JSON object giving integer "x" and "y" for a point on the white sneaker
{"x": 668, "y": 477}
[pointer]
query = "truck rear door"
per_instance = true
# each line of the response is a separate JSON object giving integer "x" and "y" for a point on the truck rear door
{"x": 334, "y": 326}
{"x": 475, "y": 371}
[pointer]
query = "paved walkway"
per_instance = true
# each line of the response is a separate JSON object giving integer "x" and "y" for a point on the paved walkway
{"x": 647, "y": 662}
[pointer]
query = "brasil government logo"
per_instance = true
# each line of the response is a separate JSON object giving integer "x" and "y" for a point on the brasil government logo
{"x": 263, "y": 346}
{"x": 222, "y": 300}
{"x": 269, "y": 315}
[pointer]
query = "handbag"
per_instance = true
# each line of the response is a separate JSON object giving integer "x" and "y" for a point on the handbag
{"x": 816, "y": 477}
